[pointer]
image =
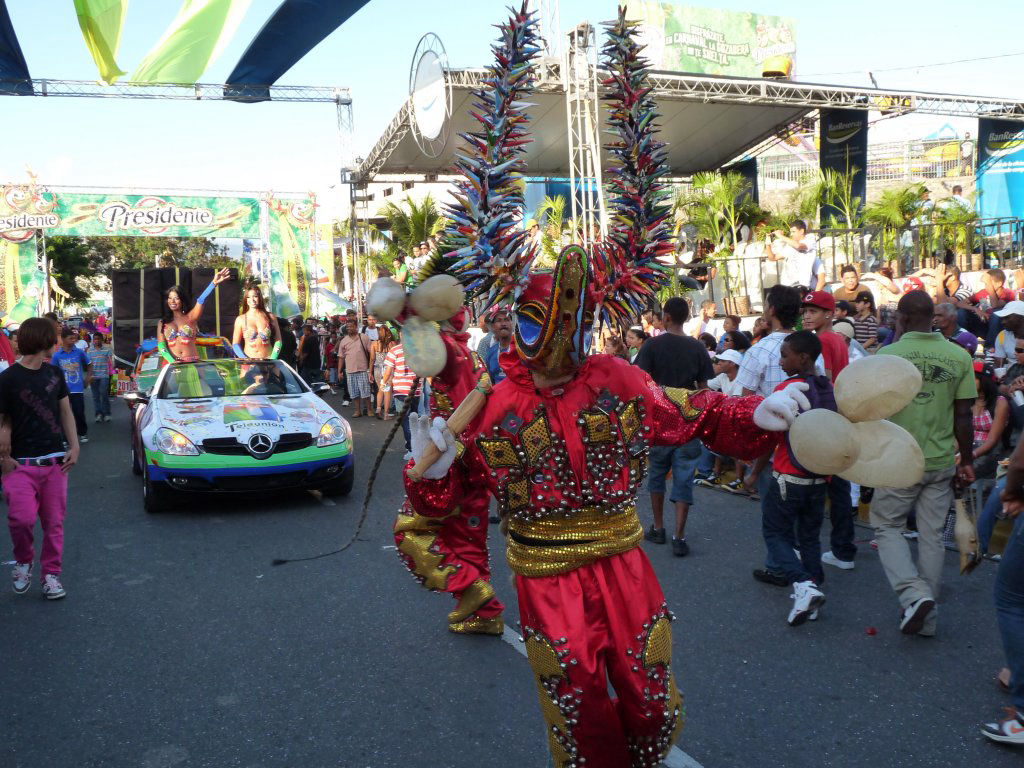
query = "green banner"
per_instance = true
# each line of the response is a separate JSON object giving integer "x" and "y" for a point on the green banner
{"x": 22, "y": 281}
{"x": 86, "y": 215}
{"x": 682, "y": 38}
{"x": 291, "y": 258}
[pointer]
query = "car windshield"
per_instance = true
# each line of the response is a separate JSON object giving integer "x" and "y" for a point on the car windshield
{"x": 228, "y": 378}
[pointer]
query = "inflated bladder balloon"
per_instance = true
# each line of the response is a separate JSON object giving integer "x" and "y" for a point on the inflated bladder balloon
{"x": 889, "y": 456}
{"x": 424, "y": 351}
{"x": 437, "y": 298}
{"x": 824, "y": 442}
{"x": 386, "y": 299}
{"x": 876, "y": 387}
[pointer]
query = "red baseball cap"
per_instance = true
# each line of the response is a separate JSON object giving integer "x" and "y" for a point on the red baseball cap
{"x": 821, "y": 300}
{"x": 913, "y": 284}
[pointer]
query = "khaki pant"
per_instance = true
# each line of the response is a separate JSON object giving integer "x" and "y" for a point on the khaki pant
{"x": 931, "y": 499}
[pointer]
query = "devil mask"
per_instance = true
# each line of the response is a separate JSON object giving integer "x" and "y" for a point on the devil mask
{"x": 554, "y": 316}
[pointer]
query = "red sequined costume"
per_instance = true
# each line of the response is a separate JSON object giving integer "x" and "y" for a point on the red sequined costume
{"x": 565, "y": 465}
{"x": 447, "y": 551}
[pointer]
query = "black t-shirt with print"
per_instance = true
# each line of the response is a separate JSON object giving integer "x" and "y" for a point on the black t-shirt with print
{"x": 31, "y": 399}
{"x": 675, "y": 361}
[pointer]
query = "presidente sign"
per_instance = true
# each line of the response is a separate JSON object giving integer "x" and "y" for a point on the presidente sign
{"x": 25, "y": 209}
{"x": 711, "y": 41}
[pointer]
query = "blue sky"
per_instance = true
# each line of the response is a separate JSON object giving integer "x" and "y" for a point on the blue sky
{"x": 294, "y": 147}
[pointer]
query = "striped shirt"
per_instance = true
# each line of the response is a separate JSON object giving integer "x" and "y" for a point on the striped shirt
{"x": 760, "y": 371}
{"x": 402, "y": 378}
{"x": 866, "y": 329}
{"x": 101, "y": 359}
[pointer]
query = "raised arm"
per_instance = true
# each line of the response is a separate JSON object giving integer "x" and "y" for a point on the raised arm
{"x": 196, "y": 312}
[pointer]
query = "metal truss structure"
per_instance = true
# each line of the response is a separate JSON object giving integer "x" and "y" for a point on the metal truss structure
{"x": 583, "y": 120}
{"x": 196, "y": 92}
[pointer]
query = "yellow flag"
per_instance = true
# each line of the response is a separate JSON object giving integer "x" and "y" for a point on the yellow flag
{"x": 101, "y": 22}
{"x": 199, "y": 33}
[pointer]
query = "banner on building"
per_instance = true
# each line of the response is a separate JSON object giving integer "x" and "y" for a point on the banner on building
{"x": 1000, "y": 168}
{"x": 844, "y": 149}
{"x": 682, "y": 38}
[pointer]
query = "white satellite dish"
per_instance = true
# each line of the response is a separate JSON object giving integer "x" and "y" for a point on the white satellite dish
{"x": 430, "y": 96}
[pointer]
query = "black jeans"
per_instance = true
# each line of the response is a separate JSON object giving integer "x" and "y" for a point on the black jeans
{"x": 406, "y": 432}
{"x": 841, "y": 514}
{"x": 802, "y": 509}
{"x": 77, "y": 400}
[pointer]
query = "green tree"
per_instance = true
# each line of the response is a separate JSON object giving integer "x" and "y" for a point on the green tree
{"x": 110, "y": 253}
{"x": 409, "y": 223}
{"x": 70, "y": 265}
{"x": 550, "y": 215}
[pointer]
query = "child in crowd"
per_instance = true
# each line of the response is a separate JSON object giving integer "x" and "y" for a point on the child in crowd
{"x": 796, "y": 497}
{"x": 35, "y": 422}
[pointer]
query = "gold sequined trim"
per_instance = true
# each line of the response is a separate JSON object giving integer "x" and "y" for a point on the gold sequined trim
{"x": 498, "y": 452}
{"x": 535, "y": 437}
{"x": 629, "y": 420}
{"x": 658, "y": 648}
{"x": 494, "y": 625}
{"x": 475, "y": 596}
{"x": 598, "y": 427}
{"x": 419, "y": 533}
{"x": 588, "y": 535}
{"x": 443, "y": 403}
{"x": 518, "y": 494}
{"x": 681, "y": 399}
{"x": 548, "y": 671}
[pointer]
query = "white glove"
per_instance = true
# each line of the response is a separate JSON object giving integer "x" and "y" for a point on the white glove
{"x": 779, "y": 410}
{"x": 423, "y": 433}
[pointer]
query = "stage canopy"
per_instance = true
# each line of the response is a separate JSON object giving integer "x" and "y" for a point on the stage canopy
{"x": 706, "y": 121}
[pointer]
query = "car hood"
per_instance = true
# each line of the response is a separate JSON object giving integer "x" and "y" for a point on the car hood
{"x": 273, "y": 415}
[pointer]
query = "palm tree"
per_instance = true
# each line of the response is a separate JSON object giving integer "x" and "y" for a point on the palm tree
{"x": 410, "y": 223}
{"x": 891, "y": 213}
{"x": 550, "y": 215}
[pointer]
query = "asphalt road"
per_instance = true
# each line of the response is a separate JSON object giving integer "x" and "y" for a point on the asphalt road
{"x": 180, "y": 645}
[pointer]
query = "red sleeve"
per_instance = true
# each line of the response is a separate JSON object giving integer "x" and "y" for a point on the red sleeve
{"x": 835, "y": 352}
{"x": 978, "y": 296}
{"x": 723, "y": 423}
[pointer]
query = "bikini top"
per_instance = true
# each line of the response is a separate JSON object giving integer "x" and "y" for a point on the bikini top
{"x": 265, "y": 335}
{"x": 184, "y": 333}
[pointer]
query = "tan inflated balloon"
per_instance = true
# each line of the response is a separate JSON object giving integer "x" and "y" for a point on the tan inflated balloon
{"x": 824, "y": 442}
{"x": 386, "y": 299}
{"x": 424, "y": 351}
{"x": 890, "y": 456}
{"x": 876, "y": 387}
{"x": 437, "y": 298}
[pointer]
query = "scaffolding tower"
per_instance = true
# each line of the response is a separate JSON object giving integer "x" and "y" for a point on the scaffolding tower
{"x": 579, "y": 74}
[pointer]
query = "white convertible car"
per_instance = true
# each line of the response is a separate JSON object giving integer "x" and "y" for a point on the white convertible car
{"x": 236, "y": 425}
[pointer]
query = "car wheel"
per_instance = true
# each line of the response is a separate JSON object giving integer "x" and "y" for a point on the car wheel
{"x": 136, "y": 464}
{"x": 342, "y": 486}
{"x": 154, "y": 494}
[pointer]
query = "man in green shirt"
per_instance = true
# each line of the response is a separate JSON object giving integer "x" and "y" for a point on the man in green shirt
{"x": 939, "y": 418}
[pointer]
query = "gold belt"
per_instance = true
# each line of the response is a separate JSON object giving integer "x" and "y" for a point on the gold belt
{"x": 559, "y": 544}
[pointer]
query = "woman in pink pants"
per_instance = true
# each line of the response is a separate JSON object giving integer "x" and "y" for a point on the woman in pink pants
{"x": 35, "y": 422}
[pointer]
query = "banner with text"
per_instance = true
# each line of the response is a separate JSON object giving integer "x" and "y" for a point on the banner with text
{"x": 24, "y": 210}
{"x": 1000, "y": 168}
{"x": 681, "y": 38}
{"x": 844, "y": 148}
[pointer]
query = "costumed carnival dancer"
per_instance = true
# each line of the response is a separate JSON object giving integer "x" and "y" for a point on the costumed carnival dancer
{"x": 562, "y": 442}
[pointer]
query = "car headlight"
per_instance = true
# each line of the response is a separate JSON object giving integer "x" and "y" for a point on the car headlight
{"x": 331, "y": 433}
{"x": 174, "y": 443}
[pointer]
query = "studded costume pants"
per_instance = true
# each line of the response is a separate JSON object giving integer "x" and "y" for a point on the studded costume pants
{"x": 605, "y": 621}
{"x": 449, "y": 554}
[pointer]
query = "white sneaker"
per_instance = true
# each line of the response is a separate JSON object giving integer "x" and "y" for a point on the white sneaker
{"x": 82, "y": 439}
{"x": 807, "y": 598}
{"x": 52, "y": 588}
{"x": 344, "y": 402}
{"x": 913, "y": 618}
{"x": 106, "y": 417}
{"x": 408, "y": 455}
{"x": 829, "y": 559}
{"x": 99, "y": 418}
{"x": 22, "y": 575}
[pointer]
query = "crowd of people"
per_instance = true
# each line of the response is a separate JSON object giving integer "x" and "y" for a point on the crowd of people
{"x": 970, "y": 406}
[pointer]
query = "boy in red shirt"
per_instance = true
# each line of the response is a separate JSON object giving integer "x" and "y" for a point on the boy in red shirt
{"x": 819, "y": 309}
{"x": 794, "y": 507}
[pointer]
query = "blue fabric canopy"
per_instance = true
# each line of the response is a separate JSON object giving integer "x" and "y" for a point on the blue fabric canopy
{"x": 12, "y": 60}
{"x": 296, "y": 27}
